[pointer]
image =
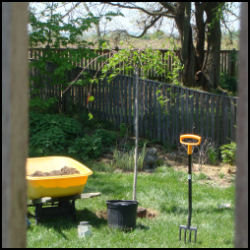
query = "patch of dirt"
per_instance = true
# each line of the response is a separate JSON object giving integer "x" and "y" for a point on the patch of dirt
{"x": 146, "y": 213}
{"x": 141, "y": 213}
{"x": 63, "y": 171}
{"x": 221, "y": 175}
{"x": 102, "y": 214}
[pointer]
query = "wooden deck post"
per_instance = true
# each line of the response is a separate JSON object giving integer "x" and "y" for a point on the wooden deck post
{"x": 14, "y": 123}
{"x": 241, "y": 206}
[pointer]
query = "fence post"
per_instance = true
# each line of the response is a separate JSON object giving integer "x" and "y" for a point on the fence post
{"x": 14, "y": 123}
{"x": 241, "y": 202}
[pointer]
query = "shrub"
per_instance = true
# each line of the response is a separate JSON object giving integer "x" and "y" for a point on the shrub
{"x": 39, "y": 122}
{"x": 228, "y": 82}
{"x": 86, "y": 148}
{"x": 108, "y": 138}
{"x": 90, "y": 147}
{"x": 213, "y": 155}
{"x": 51, "y": 134}
{"x": 37, "y": 104}
{"x": 59, "y": 134}
{"x": 228, "y": 153}
{"x": 47, "y": 142}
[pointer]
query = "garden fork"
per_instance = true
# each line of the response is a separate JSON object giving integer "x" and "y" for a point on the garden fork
{"x": 189, "y": 152}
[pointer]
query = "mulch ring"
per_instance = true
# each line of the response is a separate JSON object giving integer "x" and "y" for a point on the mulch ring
{"x": 141, "y": 213}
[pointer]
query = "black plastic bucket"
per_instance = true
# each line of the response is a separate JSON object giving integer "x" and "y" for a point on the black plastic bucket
{"x": 122, "y": 214}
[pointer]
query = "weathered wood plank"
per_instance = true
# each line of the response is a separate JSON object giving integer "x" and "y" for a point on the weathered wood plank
{"x": 140, "y": 108}
{"x": 173, "y": 117}
{"x": 225, "y": 120}
{"x": 182, "y": 111}
{"x": 241, "y": 200}
{"x": 150, "y": 114}
{"x": 154, "y": 128}
{"x": 164, "y": 115}
{"x": 187, "y": 111}
{"x": 197, "y": 116}
{"x": 15, "y": 98}
{"x": 45, "y": 200}
{"x": 122, "y": 101}
{"x": 207, "y": 117}
{"x": 202, "y": 114}
{"x": 158, "y": 107}
{"x": 177, "y": 121}
{"x": 218, "y": 133}
{"x": 129, "y": 102}
{"x": 212, "y": 118}
{"x": 191, "y": 98}
{"x": 169, "y": 113}
{"x": 125, "y": 85}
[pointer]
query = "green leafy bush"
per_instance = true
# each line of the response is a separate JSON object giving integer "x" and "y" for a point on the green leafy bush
{"x": 37, "y": 104}
{"x": 228, "y": 153}
{"x": 50, "y": 134}
{"x": 213, "y": 156}
{"x": 108, "y": 138}
{"x": 90, "y": 147}
{"x": 47, "y": 142}
{"x": 69, "y": 126}
{"x": 59, "y": 134}
{"x": 86, "y": 148}
{"x": 228, "y": 83}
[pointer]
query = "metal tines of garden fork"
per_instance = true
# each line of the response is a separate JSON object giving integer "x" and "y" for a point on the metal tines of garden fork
{"x": 189, "y": 229}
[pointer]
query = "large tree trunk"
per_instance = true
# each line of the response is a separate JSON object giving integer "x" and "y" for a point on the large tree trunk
{"x": 183, "y": 15}
{"x": 212, "y": 67}
{"x": 200, "y": 35}
{"x": 194, "y": 60}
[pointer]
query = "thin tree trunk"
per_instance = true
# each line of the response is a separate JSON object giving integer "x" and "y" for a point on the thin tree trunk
{"x": 136, "y": 132}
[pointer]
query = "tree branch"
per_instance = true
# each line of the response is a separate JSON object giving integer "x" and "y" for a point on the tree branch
{"x": 145, "y": 28}
{"x": 170, "y": 7}
{"x": 77, "y": 4}
{"x": 150, "y": 13}
{"x": 77, "y": 77}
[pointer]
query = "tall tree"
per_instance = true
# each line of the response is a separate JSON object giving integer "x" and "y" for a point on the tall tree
{"x": 200, "y": 68}
{"x": 213, "y": 11}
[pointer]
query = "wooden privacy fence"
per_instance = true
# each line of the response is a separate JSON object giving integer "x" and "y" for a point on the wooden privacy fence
{"x": 228, "y": 61}
{"x": 182, "y": 110}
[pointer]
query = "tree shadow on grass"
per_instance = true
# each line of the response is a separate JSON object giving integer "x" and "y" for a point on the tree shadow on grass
{"x": 61, "y": 223}
{"x": 182, "y": 210}
{"x": 87, "y": 215}
{"x": 140, "y": 226}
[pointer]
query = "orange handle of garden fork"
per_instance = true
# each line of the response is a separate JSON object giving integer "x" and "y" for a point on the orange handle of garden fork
{"x": 190, "y": 144}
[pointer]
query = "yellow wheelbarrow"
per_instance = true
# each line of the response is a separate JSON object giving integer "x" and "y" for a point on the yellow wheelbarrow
{"x": 61, "y": 190}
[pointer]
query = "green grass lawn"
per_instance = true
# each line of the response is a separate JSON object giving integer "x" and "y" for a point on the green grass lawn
{"x": 166, "y": 191}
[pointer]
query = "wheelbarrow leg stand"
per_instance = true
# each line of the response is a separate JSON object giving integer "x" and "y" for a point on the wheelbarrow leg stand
{"x": 188, "y": 226}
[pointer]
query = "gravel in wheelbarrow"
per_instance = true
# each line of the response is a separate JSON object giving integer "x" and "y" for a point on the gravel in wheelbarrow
{"x": 63, "y": 171}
